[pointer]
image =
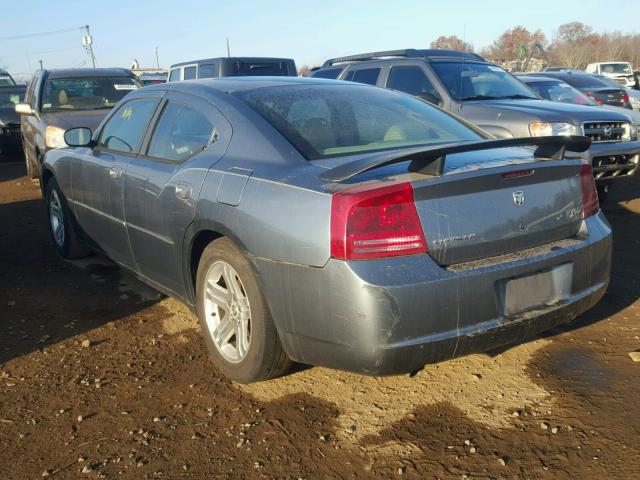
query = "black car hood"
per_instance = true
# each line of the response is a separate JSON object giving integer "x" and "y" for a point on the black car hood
{"x": 80, "y": 118}
{"x": 546, "y": 110}
{"x": 9, "y": 115}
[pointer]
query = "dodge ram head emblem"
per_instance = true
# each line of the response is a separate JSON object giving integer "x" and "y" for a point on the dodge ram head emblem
{"x": 518, "y": 198}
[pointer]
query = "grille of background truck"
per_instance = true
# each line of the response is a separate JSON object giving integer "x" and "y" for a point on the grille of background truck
{"x": 600, "y": 132}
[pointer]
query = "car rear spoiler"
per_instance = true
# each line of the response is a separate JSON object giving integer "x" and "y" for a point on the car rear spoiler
{"x": 430, "y": 160}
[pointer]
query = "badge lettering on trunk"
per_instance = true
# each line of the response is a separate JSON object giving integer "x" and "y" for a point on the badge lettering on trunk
{"x": 518, "y": 198}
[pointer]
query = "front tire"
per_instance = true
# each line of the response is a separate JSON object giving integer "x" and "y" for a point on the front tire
{"x": 62, "y": 224}
{"x": 238, "y": 328}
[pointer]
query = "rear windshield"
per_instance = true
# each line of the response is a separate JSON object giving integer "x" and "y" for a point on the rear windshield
{"x": 88, "y": 93}
{"x": 558, "y": 91}
{"x": 469, "y": 81}
{"x": 324, "y": 121}
{"x": 584, "y": 81}
{"x": 241, "y": 68}
{"x": 10, "y": 96}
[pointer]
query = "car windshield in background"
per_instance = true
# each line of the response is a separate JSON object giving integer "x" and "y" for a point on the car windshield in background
{"x": 331, "y": 121}
{"x": 9, "y": 97}
{"x": 258, "y": 69}
{"x": 6, "y": 80}
{"x": 478, "y": 81}
{"x": 560, "y": 92}
{"x": 90, "y": 93}
{"x": 623, "y": 68}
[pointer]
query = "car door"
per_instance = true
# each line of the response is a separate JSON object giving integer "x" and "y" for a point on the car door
{"x": 28, "y": 123}
{"x": 162, "y": 184}
{"x": 98, "y": 177}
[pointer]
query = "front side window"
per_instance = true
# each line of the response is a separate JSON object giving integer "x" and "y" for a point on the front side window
{"x": 174, "y": 76}
{"x": 328, "y": 121}
{"x": 180, "y": 133}
{"x": 330, "y": 73}
{"x": 468, "y": 81}
{"x": 413, "y": 81}
{"x": 85, "y": 93}
{"x": 368, "y": 76}
{"x": 125, "y": 129}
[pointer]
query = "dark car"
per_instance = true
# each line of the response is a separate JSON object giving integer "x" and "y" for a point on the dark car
{"x": 332, "y": 223}
{"x": 599, "y": 91}
{"x": 57, "y": 100}
{"x": 487, "y": 96}
{"x": 557, "y": 90}
{"x": 9, "y": 118}
{"x": 6, "y": 80}
{"x": 233, "y": 67}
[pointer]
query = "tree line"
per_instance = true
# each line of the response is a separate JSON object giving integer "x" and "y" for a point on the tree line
{"x": 574, "y": 45}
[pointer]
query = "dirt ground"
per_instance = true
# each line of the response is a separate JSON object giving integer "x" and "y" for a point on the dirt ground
{"x": 102, "y": 377}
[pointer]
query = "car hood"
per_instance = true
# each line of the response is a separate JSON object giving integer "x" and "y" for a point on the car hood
{"x": 9, "y": 115}
{"x": 70, "y": 119}
{"x": 634, "y": 115}
{"x": 545, "y": 110}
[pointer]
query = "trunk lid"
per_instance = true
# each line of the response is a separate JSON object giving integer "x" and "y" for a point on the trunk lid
{"x": 473, "y": 213}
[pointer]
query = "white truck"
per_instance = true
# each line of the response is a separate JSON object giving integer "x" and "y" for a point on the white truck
{"x": 621, "y": 72}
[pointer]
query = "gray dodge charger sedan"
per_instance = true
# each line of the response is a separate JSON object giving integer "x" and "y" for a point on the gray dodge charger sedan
{"x": 332, "y": 223}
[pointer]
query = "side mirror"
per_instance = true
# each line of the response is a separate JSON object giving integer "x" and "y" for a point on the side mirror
{"x": 24, "y": 109}
{"x": 78, "y": 137}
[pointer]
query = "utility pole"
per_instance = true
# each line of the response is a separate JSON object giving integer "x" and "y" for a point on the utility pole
{"x": 87, "y": 41}
{"x": 40, "y": 61}
{"x": 228, "y": 51}
{"x": 157, "y": 61}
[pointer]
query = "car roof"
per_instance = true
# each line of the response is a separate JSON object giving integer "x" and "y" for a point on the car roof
{"x": 233, "y": 59}
{"x": 88, "y": 72}
{"x": 236, "y": 84}
{"x": 426, "y": 54}
{"x": 536, "y": 78}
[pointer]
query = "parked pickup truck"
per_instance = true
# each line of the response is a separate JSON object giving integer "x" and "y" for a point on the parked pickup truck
{"x": 491, "y": 98}
{"x": 619, "y": 71}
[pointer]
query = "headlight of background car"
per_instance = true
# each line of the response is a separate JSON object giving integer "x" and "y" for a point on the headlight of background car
{"x": 54, "y": 137}
{"x": 544, "y": 129}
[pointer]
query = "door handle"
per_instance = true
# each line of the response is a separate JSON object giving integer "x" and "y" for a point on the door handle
{"x": 115, "y": 173}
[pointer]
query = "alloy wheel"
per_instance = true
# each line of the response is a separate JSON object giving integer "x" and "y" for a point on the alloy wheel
{"x": 56, "y": 217}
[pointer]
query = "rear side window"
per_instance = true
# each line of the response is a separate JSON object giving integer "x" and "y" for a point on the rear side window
{"x": 125, "y": 129}
{"x": 331, "y": 73}
{"x": 209, "y": 70}
{"x": 368, "y": 76}
{"x": 180, "y": 133}
{"x": 174, "y": 76}
{"x": 413, "y": 81}
{"x": 190, "y": 73}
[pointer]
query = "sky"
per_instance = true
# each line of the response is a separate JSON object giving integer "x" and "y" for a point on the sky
{"x": 309, "y": 32}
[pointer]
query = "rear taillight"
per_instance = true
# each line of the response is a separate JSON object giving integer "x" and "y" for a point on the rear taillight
{"x": 590, "y": 204}
{"x": 625, "y": 98}
{"x": 592, "y": 97}
{"x": 375, "y": 222}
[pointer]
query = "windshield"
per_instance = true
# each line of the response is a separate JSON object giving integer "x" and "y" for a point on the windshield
{"x": 479, "y": 81}
{"x": 324, "y": 121}
{"x": 560, "y": 92}
{"x": 624, "y": 68}
{"x": 9, "y": 97}
{"x": 6, "y": 80}
{"x": 89, "y": 93}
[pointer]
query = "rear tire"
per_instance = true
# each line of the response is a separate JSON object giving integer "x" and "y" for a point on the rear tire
{"x": 62, "y": 225}
{"x": 237, "y": 325}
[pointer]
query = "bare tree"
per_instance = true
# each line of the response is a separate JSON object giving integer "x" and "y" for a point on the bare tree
{"x": 304, "y": 71}
{"x": 506, "y": 47}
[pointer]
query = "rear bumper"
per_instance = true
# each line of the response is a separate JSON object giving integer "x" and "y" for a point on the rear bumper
{"x": 611, "y": 160}
{"x": 392, "y": 316}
